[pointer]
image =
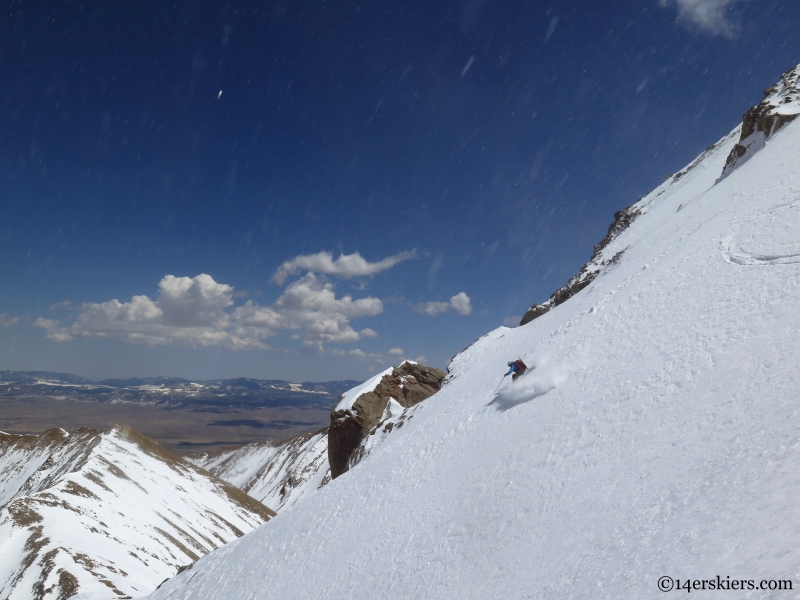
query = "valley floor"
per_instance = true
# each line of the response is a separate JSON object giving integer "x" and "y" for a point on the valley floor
{"x": 180, "y": 430}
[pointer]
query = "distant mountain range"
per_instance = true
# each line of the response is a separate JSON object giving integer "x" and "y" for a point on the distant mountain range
{"x": 173, "y": 391}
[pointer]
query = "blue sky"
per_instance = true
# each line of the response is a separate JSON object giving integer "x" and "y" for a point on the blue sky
{"x": 314, "y": 190}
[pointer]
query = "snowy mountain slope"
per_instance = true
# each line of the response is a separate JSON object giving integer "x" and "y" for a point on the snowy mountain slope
{"x": 107, "y": 514}
{"x": 277, "y": 474}
{"x": 658, "y": 433}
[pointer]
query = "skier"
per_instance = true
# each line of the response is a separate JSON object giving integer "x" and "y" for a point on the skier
{"x": 517, "y": 368}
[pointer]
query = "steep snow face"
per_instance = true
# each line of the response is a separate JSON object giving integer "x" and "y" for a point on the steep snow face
{"x": 656, "y": 433}
{"x": 275, "y": 474}
{"x": 107, "y": 515}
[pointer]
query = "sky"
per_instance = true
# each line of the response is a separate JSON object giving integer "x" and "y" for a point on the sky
{"x": 316, "y": 190}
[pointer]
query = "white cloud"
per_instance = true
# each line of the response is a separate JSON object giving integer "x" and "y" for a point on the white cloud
{"x": 65, "y": 305}
{"x": 310, "y": 304}
{"x": 8, "y": 320}
{"x": 459, "y": 303}
{"x": 361, "y": 354}
{"x": 200, "y": 301}
{"x": 396, "y": 351}
{"x": 53, "y": 329}
{"x": 512, "y": 321}
{"x": 432, "y": 308}
{"x": 709, "y": 15}
{"x": 197, "y": 312}
{"x": 347, "y": 265}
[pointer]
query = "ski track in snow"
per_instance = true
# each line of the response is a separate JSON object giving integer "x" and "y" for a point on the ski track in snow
{"x": 769, "y": 238}
{"x": 658, "y": 434}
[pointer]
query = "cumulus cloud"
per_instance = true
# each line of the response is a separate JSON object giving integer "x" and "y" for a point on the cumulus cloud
{"x": 8, "y": 320}
{"x": 310, "y": 304}
{"x": 459, "y": 303}
{"x": 709, "y": 15}
{"x": 54, "y": 330}
{"x": 197, "y": 312}
{"x": 347, "y": 265}
{"x": 396, "y": 351}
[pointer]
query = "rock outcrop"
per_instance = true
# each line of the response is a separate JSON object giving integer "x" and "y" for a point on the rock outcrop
{"x": 622, "y": 220}
{"x": 780, "y": 105}
{"x": 361, "y": 410}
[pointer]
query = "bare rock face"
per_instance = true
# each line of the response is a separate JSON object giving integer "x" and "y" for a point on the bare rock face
{"x": 408, "y": 384}
{"x": 780, "y": 105}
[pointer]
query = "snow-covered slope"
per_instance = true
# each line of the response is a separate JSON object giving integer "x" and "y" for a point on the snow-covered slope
{"x": 277, "y": 474}
{"x": 107, "y": 514}
{"x": 656, "y": 434}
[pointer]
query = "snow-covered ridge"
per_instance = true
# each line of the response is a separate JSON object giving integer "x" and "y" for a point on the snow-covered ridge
{"x": 656, "y": 433}
{"x": 780, "y": 105}
{"x": 609, "y": 250}
{"x": 107, "y": 514}
{"x": 277, "y": 474}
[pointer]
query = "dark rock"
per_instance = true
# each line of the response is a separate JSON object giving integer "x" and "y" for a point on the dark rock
{"x": 408, "y": 384}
